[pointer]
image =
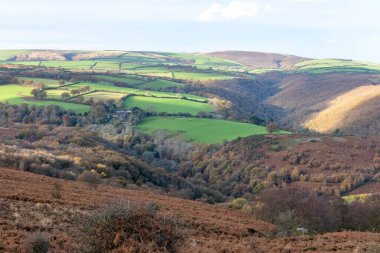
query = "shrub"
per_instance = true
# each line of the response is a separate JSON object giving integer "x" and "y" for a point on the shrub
{"x": 91, "y": 178}
{"x": 123, "y": 227}
{"x": 37, "y": 243}
{"x": 238, "y": 203}
{"x": 310, "y": 210}
{"x": 57, "y": 190}
{"x": 364, "y": 215}
{"x": 287, "y": 223}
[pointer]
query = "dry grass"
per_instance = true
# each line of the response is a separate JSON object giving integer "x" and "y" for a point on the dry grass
{"x": 339, "y": 109}
{"x": 28, "y": 206}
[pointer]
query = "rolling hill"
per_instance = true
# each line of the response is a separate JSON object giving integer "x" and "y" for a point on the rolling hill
{"x": 297, "y": 92}
{"x": 258, "y": 60}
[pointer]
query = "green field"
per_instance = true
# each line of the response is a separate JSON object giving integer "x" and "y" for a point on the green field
{"x": 47, "y": 82}
{"x": 200, "y": 76}
{"x": 17, "y": 94}
{"x": 336, "y": 65}
{"x": 122, "y": 79}
{"x": 104, "y": 96}
{"x": 79, "y": 65}
{"x": 200, "y": 130}
{"x": 6, "y": 54}
{"x": 168, "y": 105}
{"x": 158, "y": 84}
{"x": 140, "y": 83}
{"x": 110, "y": 87}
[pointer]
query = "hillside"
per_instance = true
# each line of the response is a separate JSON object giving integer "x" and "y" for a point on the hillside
{"x": 298, "y": 93}
{"x": 258, "y": 60}
{"x": 209, "y": 228}
{"x": 329, "y": 101}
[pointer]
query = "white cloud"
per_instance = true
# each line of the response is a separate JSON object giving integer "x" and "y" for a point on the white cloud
{"x": 233, "y": 10}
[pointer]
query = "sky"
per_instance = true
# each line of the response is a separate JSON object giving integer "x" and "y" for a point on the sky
{"x": 311, "y": 28}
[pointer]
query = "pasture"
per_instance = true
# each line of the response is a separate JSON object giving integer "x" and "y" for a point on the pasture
{"x": 168, "y": 105}
{"x": 206, "y": 131}
{"x": 7, "y": 54}
{"x": 113, "y": 88}
{"x": 336, "y": 65}
{"x": 47, "y": 82}
{"x": 17, "y": 94}
{"x": 104, "y": 96}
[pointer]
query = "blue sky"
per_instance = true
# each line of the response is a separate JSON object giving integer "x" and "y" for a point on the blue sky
{"x": 312, "y": 28}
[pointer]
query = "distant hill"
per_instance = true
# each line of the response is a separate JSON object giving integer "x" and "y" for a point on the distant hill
{"x": 322, "y": 95}
{"x": 330, "y": 101}
{"x": 260, "y": 60}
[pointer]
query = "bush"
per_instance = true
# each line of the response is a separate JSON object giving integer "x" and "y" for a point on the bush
{"x": 57, "y": 190}
{"x": 37, "y": 243}
{"x": 310, "y": 210}
{"x": 238, "y": 203}
{"x": 364, "y": 215}
{"x": 287, "y": 223}
{"x": 91, "y": 178}
{"x": 123, "y": 227}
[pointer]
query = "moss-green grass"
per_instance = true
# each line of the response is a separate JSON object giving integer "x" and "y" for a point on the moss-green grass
{"x": 336, "y": 65}
{"x": 47, "y": 82}
{"x": 201, "y": 76}
{"x": 158, "y": 84}
{"x": 207, "y": 131}
{"x": 110, "y": 87}
{"x": 123, "y": 79}
{"x": 17, "y": 94}
{"x": 168, "y": 105}
{"x": 104, "y": 96}
{"x": 7, "y": 54}
{"x": 85, "y": 65}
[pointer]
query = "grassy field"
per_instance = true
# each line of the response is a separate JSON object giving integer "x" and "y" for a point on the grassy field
{"x": 158, "y": 84}
{"x": 168, "y": 105}
{"x": 6, "y": 54}
{"x": 47, "y": 82}
{"x": 56, "y": 94}
{"x": 199, "y": 130}
{"x": 104, "y": 96}
{"x": 106, "y": 65}
{"x": 109, "y": 87}
{"x": 17, "y": 94}
{"x": 83, "y": 65}
{"x": 199, "y": 76}
{"x": 336, "y": 65}
{"x": 13, "y": 93}
{"x": 122, "y": 79}
{"x": 140, "y": 83}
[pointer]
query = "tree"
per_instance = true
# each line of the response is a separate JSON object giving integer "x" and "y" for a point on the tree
{"x": 66, "y": 119}
{"x": 257, "y": 121}
{"x": 79, "y": 99}
{"x": 308, "y": 209}
{"x": 40, "y": 86}
{"x": 65, "y": 96}
{"x": 271, "y": 127}
{"x": 91, "y": 178}
{"x": 39, "y": 94}
{"x": 61, "y": 83}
